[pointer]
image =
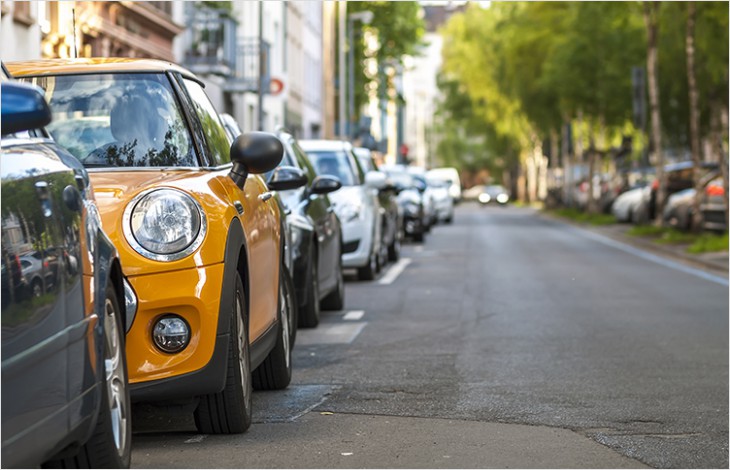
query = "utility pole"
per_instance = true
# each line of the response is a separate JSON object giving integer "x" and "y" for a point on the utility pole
{"x": 342, "y": 98}
{"x": 260, "y": 115}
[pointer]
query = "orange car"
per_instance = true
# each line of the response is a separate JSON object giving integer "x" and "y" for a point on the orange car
{"x": 198, "y": 233}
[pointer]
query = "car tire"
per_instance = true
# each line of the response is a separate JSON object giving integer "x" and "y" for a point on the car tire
{"x": 275, "y": 372}
{"x": 36, "y": 288}
{"x": 419, "y": 237}
{"x": 335, "y": 300}
{"x": 449, "y": 219}
{"x": 110, "y": 444}
{"x": 229, "y": 411}
{"x": 309, "y": 314}
{"x": 368, "y": 272}
{"x": 394, "y": 249}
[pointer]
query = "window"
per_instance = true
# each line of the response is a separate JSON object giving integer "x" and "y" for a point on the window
{"x": 217, "y": 143}
{"x": 335, "y": 163}
{"x": 118, "y": 120}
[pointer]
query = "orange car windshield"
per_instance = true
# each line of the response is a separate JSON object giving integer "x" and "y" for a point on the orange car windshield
{"x": 118, "y": 120}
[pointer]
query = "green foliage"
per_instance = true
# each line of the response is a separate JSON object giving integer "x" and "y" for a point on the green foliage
{"x": 516, "y": 71}
{"x": 709, "y": 242}
{"x": 399, "y": 27}
{"x": 584, "y": 217}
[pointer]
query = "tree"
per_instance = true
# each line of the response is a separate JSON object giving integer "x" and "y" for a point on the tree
{"x": 694, "y": 118}
{"x": 651, "y": 14}
{"x": 399, "y": 28}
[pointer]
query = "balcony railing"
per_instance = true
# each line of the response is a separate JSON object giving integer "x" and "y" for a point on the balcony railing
{"x": 210, "y": 40}
{"x": 246, "y": 73}
{"x": 212, "y": 47}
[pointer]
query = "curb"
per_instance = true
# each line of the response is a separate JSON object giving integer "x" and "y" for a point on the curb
{"x": 638, "y": 242}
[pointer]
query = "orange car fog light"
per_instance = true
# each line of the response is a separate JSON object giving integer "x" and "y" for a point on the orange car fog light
{"x": 171, "y": 334}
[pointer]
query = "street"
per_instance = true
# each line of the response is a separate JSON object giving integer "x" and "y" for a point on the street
{"x": 505, "y": 340}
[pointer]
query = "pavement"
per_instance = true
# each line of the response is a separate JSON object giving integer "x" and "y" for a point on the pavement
{"x": 506, "y": 340}
{"x": 717, "y": 262}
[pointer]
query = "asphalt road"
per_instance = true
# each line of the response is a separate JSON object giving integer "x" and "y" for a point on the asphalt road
{"x": 505, "y": 340}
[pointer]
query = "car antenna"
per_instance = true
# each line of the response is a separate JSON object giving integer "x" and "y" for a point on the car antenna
{"x": 76, "y": 51}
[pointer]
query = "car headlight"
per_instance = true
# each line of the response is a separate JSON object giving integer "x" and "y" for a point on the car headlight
{"x": 502, "y": 198}
{"x": 164, "y": 224}
{"x": 349, "y": 212}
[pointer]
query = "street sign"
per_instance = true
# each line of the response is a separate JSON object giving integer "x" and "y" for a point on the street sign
{"x": 276, "y": 86}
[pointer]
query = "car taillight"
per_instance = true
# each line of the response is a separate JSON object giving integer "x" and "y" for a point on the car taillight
{"x": 655, "y": 185}
{"x": 45, "y": 263}
{"x": 18, "y": 266}
{"x": 714, "y": 190}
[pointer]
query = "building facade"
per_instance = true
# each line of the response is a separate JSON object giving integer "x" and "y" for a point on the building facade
{"x": 20, "y": 30}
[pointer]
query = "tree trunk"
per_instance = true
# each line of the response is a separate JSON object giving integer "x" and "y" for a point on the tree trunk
{"x": 651, "y": 19}
{"x": 720, "y": 123}
{"x": 567, "y": 164}
{"x": 694, "y": 119}
{"x": 579, "y": 157}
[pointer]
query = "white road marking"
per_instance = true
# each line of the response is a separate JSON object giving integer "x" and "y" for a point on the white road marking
{"x": 354, "y": 315}
{"x": 656, "y": 259}
{"x": 342, "y": 333}
{"x": 196, "y": 439}
{"x": 394, "y": 271}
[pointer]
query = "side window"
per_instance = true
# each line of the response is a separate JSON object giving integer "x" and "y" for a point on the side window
{"x": 304, "y": 162}
{"x": 217, "y": 143}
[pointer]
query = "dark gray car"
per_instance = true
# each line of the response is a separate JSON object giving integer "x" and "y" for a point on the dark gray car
{"x": 65, "y": 396}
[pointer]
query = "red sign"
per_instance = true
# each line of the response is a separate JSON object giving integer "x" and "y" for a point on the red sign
{"x": 276, "y": 86}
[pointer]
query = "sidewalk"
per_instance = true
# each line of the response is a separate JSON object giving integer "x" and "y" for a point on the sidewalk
{"x": 716, "y": 262}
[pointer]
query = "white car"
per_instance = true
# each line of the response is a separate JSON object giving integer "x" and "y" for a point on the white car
{"x": 356, "y": 203}
{"x": 443, "y": 202}
{"x": 452, "y": 176}
{"x": 627, "y": 205}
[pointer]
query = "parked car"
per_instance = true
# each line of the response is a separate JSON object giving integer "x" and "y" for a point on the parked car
{"x": 313, "y": 231}
{"x": 316, "y": 234}
{"x": 199, "y": 236}
{"x": 411, "y": 201}
{"x": 392, "y": 214}
{"x": 678, "y": 211}
{"x": 356, "y": 203}
{"x": 443, "y": 203}
{"x": 627, "y": 206}
{"x": 429, "y": 200}
{"x": 678, "y": 177}
{"x": 452, "y": 176}
{"x": 65, "y": 394}
{"x": 713, "y": 206}
{"x": 494, "y": 194}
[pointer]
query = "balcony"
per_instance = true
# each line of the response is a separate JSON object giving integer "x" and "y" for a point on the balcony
{"x": 213, "y": 48}
{"x": 246, "y": 73}
{"x": 210, "y": 41}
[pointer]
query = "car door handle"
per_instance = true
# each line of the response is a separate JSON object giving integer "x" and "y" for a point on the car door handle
{"x": 266, "y": 196}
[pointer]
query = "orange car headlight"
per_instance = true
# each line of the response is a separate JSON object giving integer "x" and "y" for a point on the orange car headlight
{"x": 164, "y": 224}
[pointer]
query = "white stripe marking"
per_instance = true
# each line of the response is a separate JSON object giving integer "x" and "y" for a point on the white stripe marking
{"x": 342, "y": 333}
{"x": 656, "y": 259}
{"x": 394, "y": 271}
{"x": 196, "y": 439}
{"x": 354, "y": 315}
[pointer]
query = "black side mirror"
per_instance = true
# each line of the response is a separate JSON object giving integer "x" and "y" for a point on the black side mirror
{"x": 254, "y": 152}
{"x": 287, "y": 177}
{"x": 325, "y": 184}
{"x": 23, "y": 108}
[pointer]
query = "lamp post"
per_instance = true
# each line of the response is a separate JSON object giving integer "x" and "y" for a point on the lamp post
{"x": 365, "y": 17}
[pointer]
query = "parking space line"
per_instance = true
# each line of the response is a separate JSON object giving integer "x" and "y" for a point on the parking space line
{"x": 343, "y": 333}
{"x": 394, "y": 271}
{"x": 354, "y": 315}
